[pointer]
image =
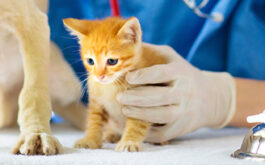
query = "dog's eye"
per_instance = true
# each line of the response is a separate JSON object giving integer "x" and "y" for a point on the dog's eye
{"x": 90, "y": 61}
{"x": 112, "y": 61}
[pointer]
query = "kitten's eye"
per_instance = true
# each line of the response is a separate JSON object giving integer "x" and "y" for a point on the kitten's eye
{"x": 90, "y": 61}
{"x": 112, "y": 61}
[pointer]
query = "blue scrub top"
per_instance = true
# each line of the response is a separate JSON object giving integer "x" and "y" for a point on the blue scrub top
{"x": 237, "y": 45}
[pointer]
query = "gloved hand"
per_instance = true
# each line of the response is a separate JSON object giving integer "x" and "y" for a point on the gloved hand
{"x": 191, "y": 99}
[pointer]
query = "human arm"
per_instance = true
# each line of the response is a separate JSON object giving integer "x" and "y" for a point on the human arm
{"x": 250, "y": 100}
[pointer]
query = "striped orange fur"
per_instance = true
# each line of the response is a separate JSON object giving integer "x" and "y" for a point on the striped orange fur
{"x": 103, "y": 43}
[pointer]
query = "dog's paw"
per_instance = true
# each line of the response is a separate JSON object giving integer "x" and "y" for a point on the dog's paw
{"x": 88, "y": 143}
{"x": 128, "y": 146}
{"x": 37, "y": 144}
{"x": 111, "y": 137}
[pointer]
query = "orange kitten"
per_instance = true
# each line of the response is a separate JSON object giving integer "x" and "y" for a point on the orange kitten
{"x": 109, "y": 49}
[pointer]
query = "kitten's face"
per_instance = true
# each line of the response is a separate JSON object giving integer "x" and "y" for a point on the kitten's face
{"x": 109, "y": 47}
{"x": 106, "y": 64}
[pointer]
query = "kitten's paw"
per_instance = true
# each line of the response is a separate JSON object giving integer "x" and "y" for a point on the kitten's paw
{"x": 88, "y": 143}
{"x": 111, "y": 137}
{"x": 128, "y": 146}
{"x": 37, "y": 144}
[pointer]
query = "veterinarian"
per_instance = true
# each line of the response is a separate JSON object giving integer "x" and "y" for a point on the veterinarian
{"x": 221, "y": 83}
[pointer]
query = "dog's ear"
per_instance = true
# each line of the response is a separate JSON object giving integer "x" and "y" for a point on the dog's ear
{"x": 78, "y": 27}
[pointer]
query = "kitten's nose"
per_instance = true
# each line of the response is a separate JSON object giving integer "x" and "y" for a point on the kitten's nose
{"x": 101, "y": 77}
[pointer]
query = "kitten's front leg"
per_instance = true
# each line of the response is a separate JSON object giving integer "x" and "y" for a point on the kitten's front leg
{"x": 133, "y": 136}
{"x": 94, "y": 131}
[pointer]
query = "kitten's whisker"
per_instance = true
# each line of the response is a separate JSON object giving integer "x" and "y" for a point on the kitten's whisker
{"x": 76, "y": 61}
{"x": 84, "y": 91}
{"x": 82, "y": 85}
{"x": 69, "y": 47}
{"x": 71, "y": 37}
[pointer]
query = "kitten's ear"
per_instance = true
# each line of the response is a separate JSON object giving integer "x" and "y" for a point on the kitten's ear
{"x": 78, "y": 27}
{"x": 131, "y": 32}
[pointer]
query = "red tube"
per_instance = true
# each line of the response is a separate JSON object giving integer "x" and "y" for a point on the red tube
{"x": 115, "y": 10}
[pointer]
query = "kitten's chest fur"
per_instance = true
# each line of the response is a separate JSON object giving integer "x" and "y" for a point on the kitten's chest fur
{"x": 105, "y": 94}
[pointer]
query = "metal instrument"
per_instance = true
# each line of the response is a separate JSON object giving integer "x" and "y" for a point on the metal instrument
{"x": 253, "y": 145}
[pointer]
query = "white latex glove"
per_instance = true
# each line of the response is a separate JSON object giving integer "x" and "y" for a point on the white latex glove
{"x": 191, "y": 99}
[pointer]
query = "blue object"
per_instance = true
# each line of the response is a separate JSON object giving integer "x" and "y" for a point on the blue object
{"x": 56, "y": 119}
{"x": 258, "y": 128}
{"x": 236, "y": 45}
{"x": 244, "y": 154}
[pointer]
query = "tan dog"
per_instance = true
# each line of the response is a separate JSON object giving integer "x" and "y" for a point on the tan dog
{"x": 34, "y": 77}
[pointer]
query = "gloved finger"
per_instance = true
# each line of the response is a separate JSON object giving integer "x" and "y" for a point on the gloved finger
{"x": 156, "y": 74}
{"x": 170, "y": 131}
{"x": 150, "y": 96}
{"x": 161, "y": 114}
